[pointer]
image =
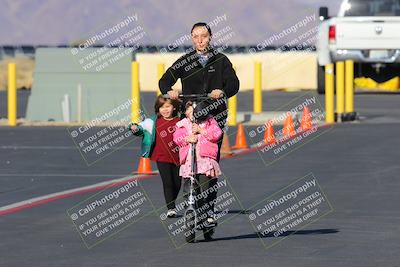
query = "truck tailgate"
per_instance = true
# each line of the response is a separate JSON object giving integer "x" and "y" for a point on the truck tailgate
{"x": 368, "y": 33}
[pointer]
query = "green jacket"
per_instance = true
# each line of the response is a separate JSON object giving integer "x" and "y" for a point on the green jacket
{"x": 146, "y": 129}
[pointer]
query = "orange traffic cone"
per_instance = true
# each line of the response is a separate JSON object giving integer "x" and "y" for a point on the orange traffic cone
{"x": 306, "y": 123}
{"x": 144, "y": 166}
{"x": 288, "y": 127}
{"x": 269, "y": 135}
{"x": 241, "y": 142}
{"x": 226, "y": 147}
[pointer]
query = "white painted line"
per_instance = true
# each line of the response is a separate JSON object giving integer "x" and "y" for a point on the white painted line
{"x": 60, "y": 175}
{"x": 58, "y": 147}
{"x": 32, "y": 202}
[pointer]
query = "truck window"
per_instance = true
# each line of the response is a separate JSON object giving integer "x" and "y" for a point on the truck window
{"x": 355, "y": 8}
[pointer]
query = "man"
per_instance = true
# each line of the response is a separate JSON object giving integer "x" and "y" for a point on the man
{"x": 204, "y": 70}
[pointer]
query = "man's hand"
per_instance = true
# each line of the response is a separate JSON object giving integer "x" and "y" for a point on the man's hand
{"x": 173, "y": 94}
{"x": 197, "y": 129}
{"x": 217, "y": 93}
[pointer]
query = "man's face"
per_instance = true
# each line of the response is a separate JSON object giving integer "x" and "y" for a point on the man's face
{"x": 200, "y": 38}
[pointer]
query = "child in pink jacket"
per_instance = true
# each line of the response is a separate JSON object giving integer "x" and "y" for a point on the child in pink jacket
{"x": 204, "y": 134}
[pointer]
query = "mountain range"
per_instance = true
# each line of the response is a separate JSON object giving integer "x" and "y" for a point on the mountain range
{"x": 61, "y": 22}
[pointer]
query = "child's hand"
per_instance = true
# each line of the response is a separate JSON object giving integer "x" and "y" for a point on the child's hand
{"x": 134, "y": 128}
{"x": 191, "y": 139}
{"x": 197, "y": 129}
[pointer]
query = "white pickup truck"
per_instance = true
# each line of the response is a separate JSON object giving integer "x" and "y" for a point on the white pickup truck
{"x": 366, "y": 31}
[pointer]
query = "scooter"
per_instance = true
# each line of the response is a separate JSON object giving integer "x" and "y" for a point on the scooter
{"x": 195, "y": 220}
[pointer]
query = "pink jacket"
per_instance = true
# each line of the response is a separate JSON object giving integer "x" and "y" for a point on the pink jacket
{"x": 208, "y": 141}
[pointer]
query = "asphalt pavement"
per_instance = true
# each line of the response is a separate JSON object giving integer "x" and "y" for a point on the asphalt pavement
{"x": 355, "y": 167}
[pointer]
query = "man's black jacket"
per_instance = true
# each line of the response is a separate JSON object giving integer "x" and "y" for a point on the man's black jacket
{"x": 196, "y": 79}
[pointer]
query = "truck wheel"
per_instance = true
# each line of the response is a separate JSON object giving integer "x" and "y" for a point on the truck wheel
{"x": 321, "y": 80}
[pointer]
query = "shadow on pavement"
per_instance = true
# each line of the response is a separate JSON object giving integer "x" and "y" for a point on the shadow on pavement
{"x": 256, "y": 235}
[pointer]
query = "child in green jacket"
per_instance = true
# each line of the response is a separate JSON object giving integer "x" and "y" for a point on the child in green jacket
{"x": 158, "y": 145}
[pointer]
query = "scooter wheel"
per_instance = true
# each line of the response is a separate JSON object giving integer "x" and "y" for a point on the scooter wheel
{"x": 208, "y": 233}
{"x": 190, "y": 226}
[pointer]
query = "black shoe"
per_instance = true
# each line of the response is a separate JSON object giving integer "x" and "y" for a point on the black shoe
{"x": 171, "y": 213}
{"x": 211, "y": 222}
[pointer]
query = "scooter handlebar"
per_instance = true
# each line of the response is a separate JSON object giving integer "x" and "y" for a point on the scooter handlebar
{"x": 191, "y": 96}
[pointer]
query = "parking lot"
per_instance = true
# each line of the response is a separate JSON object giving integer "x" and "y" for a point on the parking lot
{"x": 355, "y": 165}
